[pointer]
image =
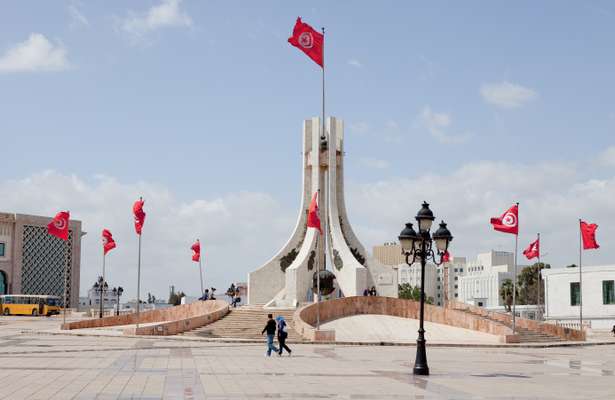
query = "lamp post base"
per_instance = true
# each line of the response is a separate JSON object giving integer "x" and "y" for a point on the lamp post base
{"x": 420, "y": 365}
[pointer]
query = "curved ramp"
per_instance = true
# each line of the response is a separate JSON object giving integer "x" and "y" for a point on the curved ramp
{"x": 386, "y": 328}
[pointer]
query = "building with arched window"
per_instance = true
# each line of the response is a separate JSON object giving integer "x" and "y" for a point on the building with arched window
{"x": 34, "y": 262}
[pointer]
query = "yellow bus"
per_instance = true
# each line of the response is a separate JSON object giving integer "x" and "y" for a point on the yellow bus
{"x": 29, "y": 304}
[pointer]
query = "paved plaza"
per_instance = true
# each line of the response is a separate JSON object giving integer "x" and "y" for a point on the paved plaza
{"x": 38, "y": 365}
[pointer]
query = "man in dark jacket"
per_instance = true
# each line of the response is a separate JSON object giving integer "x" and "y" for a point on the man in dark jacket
{"x": 270, "y": 329}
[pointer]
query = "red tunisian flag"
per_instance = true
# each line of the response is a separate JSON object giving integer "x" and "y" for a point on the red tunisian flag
{"x": 446, "y": 257}
{"x": 533, "y": 250}
{"x": 108, "y": 242}
{"x": 137, "y": 210}
{"x": 588, "y": 233}
{"x": 507, "y": 222}
{"x": 313, "y": 220}
{"x": 306, "y": 39}
{"x": 58, "y": 226}
{"x": 196, "y": 251}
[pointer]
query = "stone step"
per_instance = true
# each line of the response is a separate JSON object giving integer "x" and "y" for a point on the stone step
{"x": 245, "y": 322}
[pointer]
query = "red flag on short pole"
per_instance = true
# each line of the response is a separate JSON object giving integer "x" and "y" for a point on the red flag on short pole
{"x": 309, "y": 41}
{"x": 58, "y": 226}
{"x": 196, "y": 251}
{"x": 446, "y": 257}
{"x": 313, "y": 220}
{"x": 108, "y": 242}
{"x": 588, "y": 233}
{"x": 507, "y": 222}
{"x": 533, "y": 250}
{"x": 137, "y": 210}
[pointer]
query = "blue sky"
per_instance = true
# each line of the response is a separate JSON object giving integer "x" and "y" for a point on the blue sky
{"x": 204, "y": 101}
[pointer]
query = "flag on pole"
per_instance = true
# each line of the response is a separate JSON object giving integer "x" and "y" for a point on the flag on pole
{"x": 507, "y": 222}
{"x": 137, "y": 210}
{"x": 533, "y": 250}
{"x": 446, "y": 257}
{"x": 309, "y": 41}
{"x": 588, "y": 233}
{"x": 108, "y": 242}
{"x": 313, "y": 220}
{"x": 196, "y": 251}
{"x": 58, "y": 226}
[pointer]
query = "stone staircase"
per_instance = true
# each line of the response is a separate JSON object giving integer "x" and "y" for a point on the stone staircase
{"x": 525, "y": 335}
{"x": 246, "y": 322}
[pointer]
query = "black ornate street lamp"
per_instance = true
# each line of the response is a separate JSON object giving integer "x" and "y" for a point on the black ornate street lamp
{"x": 117, "y": 293}
{"x": 419, "y": 247}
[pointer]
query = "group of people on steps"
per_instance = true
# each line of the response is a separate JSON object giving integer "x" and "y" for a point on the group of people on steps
{"x": 280, "y": 326}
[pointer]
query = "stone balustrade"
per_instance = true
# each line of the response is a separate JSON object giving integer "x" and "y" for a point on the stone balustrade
{"x": 563, "y": 332}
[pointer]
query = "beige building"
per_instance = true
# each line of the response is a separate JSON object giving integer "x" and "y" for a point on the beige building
{"x": 32, "y": 261}
{"x": 389, "y": 254}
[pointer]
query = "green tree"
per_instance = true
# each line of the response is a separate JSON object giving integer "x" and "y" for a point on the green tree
{"x": 406, "y": 291}
{"x": 506, "y": 293}
{"x": 528, "y": 284}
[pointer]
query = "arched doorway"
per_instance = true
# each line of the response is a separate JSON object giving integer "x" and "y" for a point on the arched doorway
{"x": 4, "y": 284}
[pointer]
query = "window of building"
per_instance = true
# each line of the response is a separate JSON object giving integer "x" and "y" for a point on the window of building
{"x": 455, "y": 269}
{"x": 456, "y": 295}
{"x": 2, "y": 249}
{"x": 455, "y": 286}
{"x": 480, "y": 303}
{"x": 439, "y": 303}
{"x": 438, "y": 296}
{"x": 460, "y": 269}
{"x": 608, "y": 292}
{"x": 456, "y": 278}
{"x": 575, "y": 293}
{"x": 438, "y": 279}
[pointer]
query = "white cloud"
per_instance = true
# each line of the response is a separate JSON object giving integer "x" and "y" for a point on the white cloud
{"x": 164, "y": 15}
{"x": 506, "y": 94}
{"x": 77, "y": 17}
{"x": 438, "y": 125}
{"x": 375, "y": 163}
{"x": 239, "y": 231}
{"x": 242, "y": 230}
{"x": 359, "y": 127}
{"x": 607, "y": 157}
{"x": 552, "y": 197}
{"x": 35, "y": 54}
{"x": 355, "y": 63}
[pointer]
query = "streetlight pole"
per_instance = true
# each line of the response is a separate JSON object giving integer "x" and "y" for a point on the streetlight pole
{"x": 420, "y": 246}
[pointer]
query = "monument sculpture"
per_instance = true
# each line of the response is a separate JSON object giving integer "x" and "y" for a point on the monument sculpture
{"x": 286, "y": 279}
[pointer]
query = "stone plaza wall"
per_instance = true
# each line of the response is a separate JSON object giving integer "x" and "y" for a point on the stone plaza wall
{"x": 550, "y": 329}
{"x": 172, "y": 320}
{"x": 305, "y": 317}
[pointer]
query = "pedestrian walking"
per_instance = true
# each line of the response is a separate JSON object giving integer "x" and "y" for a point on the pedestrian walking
{"x": 270, "y": 329}
{"x": 282, "y": 335}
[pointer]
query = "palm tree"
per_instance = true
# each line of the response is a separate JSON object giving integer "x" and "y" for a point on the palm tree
{"x": 506, "y": 293}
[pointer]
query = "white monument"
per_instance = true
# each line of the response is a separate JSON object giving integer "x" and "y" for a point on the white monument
{"x": 286, "y": 279}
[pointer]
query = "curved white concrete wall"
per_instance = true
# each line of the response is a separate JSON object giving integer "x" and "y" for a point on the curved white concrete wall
{"x": 268, "y": 281}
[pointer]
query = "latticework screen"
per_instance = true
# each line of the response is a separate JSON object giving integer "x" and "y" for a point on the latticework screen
{"x": 43, "y": 259}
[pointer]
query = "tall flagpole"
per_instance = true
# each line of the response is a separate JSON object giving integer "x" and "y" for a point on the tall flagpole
{"x": 580, "y": 278}
{"x": 102, "y": 287}
{"x": 65, "y": 279}
{"x": 538, "y": 311}
{"x": 322, "y": 137}
{"x": 139, "y": 282}
{"x": 201, "y": 272}
{"x": 515, "y": 275}
{"x": 318, "y": 278}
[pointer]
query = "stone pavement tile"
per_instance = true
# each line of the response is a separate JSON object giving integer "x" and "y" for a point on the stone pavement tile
{"x": 154, "y": 387}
